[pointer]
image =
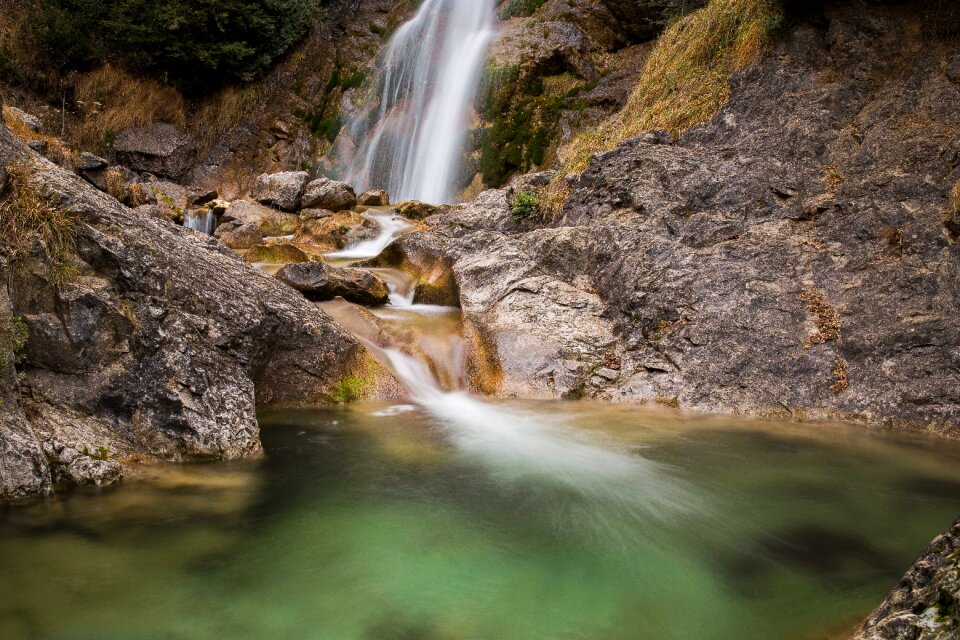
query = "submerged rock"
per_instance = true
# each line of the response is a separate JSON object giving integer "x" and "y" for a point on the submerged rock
{"x": 282, "y": 190}
{"x": 319, "y": 281}
{"x": 324, "y": 193}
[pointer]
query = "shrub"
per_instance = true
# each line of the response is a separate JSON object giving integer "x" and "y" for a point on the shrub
{"x": 525, "y": 205}
{"x": 198, "y": 46}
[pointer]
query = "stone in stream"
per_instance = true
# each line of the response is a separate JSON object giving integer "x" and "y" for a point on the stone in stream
{"x": 239, "y": 235}
{"x": 324, "y": 193}
{"x": 319, "y": 282}
{"x": 416, "y": 210}
{"x": 374, "y": 198}
{"x": 282, "y": 190}
{"x": 270, "y": 221}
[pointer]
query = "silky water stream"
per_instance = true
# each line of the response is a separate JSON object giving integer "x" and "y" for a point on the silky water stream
{"x": 447, "y": 516}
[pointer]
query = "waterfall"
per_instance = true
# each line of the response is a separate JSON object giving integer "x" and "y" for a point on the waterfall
{"x": 412, "y": 143}
{"x": 200, "y": 220}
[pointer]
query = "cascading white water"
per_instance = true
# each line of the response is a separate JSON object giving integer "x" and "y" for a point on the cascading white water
{"x": 411, "y": 145}
{"x": 391, "y": 227}
{"x": 524, "y": 447}
{"x": 202, "y": 221}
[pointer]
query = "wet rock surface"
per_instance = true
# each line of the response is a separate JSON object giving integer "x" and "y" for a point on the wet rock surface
{"x": 790, "y": 260}
{"x": 159, "y": 343}
{"x": 320, "y": 282}
{"x": 925, "y": 604}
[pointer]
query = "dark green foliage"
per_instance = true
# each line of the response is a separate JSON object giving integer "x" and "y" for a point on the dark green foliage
{"x": 67, "y": 33}
{"x": 521, "y": 8}
{"x": 524, "y": 125}
{"x": 524, "y": 205}
{"x": 198, "y": 45}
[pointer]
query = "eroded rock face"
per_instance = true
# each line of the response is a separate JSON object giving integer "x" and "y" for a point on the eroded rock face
{"x": 324, "y": 193}
{"x": 159, "y": 343}
{"x": 270, "y": 221}
{"x": 925, "y": 604}
{"x": 319, "y": 281}
{"x": 788, "y": 257}
{"x": 282, "y": 190}
{"x": 160, "y": 149}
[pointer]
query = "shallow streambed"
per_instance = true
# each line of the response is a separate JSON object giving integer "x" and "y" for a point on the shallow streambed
{"x": 377, "y": 523}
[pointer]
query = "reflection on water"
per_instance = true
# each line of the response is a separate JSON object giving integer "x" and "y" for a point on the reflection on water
{"x": 381, "y": 522}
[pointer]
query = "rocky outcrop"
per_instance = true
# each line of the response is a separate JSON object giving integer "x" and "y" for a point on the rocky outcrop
{"x": 160, "y": 149}
{"x": 282, "y": 190}
{"x": 319, "y": 281}
{"x": 324, "y": 193}
{"x": 149, "y": 342}
{"x": 925, "y": 604}
{"x": 787, "y": 259}
{"x": 270, "y": 221}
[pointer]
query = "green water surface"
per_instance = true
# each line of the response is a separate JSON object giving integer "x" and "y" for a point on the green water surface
{"x": 356, "y": 526}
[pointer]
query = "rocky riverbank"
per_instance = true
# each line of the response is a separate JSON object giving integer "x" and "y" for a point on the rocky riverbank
{"x": 144, "y": 340}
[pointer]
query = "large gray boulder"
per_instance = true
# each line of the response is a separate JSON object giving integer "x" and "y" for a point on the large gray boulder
{"x": 282, "y": 190}
{"x": 324, "y": 193}
{"x": 319, "y": 281}
{"x": 159, "y": 344}
{"x": 160, "y": 149}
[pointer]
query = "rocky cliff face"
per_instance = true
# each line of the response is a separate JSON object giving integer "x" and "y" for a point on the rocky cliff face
{"x": 797, "y": 254}
{"x": 153, "y": 342}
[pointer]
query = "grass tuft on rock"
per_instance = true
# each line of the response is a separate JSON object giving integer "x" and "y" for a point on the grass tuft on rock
{"x": 686, "y": 80}
{"x": 27, "y": 214}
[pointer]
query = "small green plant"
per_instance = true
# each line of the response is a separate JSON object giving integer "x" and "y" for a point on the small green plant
{"x": 14, "y": 335}
{"x": 525, "y": 205}
{"x": 349, "y": 389}
{"x": 100, "y": 453}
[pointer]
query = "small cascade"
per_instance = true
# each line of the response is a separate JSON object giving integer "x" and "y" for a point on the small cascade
{"x": 391, "y": 227}
{"x": 202, "y": 220}
{"x": 412, "y": 143}
{"x": 423, "y": 346}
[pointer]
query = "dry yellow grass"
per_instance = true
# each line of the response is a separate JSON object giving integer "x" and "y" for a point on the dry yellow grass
{"x": 28, "y": 214}
{"x": 57, "y": 151}
{"x": 953, "y": 212}
{"x": 686, "y": 77}
{"x": 113, "y": 100}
